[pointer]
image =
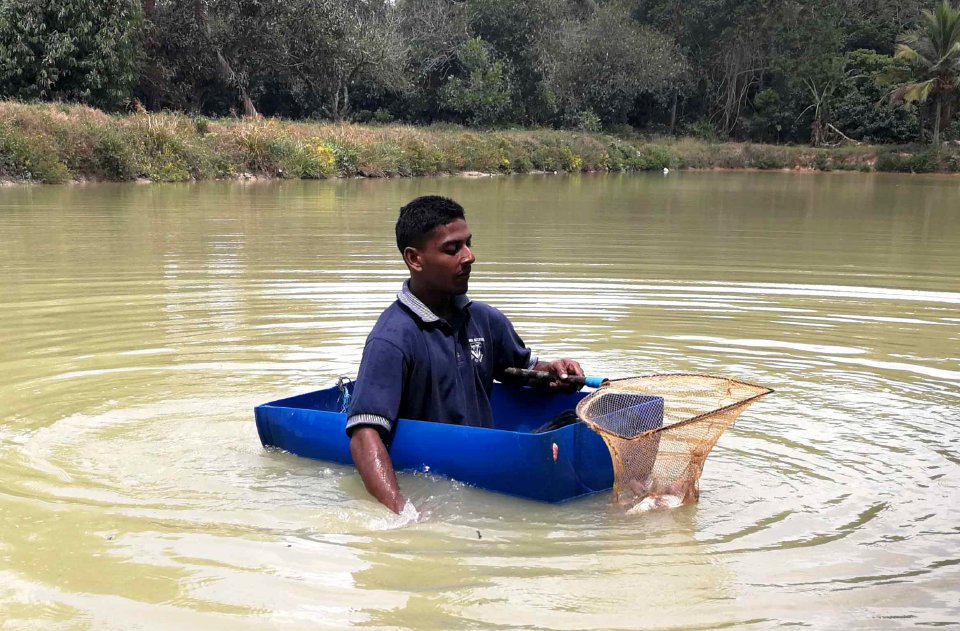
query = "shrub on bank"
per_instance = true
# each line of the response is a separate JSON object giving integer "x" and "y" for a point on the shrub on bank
{"x": 58, "y": 142}
{"x": 769, "y": 157}
{"x": 901, "y": 162}
{"x": 651, "y": 158}
{"x": 29, "y": 157}
{"x": 953, "y": 162}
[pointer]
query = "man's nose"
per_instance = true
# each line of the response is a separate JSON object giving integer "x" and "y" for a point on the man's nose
{"x": 469, "y": 258}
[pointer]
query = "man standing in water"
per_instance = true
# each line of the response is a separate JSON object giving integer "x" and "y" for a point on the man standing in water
{"x": 434, "y": 353}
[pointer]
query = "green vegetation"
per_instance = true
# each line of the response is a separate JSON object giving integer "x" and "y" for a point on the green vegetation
{"x": 818, "y": 72}
{"x": 483, "y": 96}
{"x": 59, "y": 142}
{"x": 72, "y": 50}
{"x": 933, "y": 55}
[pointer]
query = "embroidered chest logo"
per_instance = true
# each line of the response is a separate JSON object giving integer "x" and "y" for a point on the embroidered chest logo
{"x": 476, "y": 349}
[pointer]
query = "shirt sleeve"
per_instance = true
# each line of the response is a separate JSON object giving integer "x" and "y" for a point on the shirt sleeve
{"x": 513, "y": 352}
{"x": 378, "y": 390}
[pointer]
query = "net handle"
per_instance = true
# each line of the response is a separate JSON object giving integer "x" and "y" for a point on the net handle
{"x": 542, "y": 377}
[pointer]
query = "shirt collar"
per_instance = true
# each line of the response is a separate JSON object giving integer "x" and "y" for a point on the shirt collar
{"x": 421, "y": 310}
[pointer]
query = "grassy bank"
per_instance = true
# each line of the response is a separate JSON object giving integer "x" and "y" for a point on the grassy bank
{"x": 58, "y": 142}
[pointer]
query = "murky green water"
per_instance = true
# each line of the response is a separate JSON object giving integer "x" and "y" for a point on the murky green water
{"x": 139, "y": 325}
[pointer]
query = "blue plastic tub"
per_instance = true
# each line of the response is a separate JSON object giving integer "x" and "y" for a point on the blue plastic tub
{"x": 507, "y": 459}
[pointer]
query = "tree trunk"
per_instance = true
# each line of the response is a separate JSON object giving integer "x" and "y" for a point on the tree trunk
{"x": 335, "y": 105}
{"x": 340, "y": 100}
{"x": 673, "y": 112}
{"x": 936, "y": 123}
{"x": 816, "y": 133}
{"x": 230, "y": 77}
{"x": 249, "y": 109}
{"x": 151, "y": 75}
{"x": 226, "y": 70}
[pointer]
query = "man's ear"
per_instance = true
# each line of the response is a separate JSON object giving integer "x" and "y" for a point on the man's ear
{"x": 412, "y": 257}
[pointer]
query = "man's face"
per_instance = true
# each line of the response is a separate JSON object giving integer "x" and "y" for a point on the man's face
{"x": 443, "y": 263}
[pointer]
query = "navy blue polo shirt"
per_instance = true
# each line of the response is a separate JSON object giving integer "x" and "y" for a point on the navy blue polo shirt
{"x": 418, "y": 366}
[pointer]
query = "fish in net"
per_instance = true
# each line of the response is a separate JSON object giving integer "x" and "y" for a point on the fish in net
{"x": 660, "y": 429}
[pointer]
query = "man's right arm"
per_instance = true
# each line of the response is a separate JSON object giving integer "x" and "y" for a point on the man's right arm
{"x": 375, "y": 467}
{"x": 374, "y": 408}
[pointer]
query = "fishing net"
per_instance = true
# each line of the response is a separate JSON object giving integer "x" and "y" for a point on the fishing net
{"x": 660, "y": 430}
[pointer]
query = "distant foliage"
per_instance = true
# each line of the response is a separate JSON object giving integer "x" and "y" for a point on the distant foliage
{"x": 607, "y": 63}
{"x": 525, "y": 34}
{"x": 774, "y": 71}
{"x": 585, "y": 120}
{"x": 482, "y": 96}
{"x": 772, "y": 118}
{"x": 72, "y": 50}
{"x": 932, "y": 55}
{"x": 863, "y": 112}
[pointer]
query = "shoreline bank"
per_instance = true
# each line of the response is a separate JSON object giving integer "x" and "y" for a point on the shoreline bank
{"x": 57, "y": 143}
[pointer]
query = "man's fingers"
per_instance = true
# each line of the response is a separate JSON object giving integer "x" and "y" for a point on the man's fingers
{"x": 566, "y": 368}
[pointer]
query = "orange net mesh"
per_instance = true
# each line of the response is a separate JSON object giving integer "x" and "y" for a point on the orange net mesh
{"x": 660, "y": 430}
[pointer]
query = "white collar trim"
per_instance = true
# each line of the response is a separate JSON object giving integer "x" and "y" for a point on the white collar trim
{"x": 421, "y": 310}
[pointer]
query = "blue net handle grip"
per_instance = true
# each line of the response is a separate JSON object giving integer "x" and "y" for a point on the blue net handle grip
{"x": 543, "y": 377}
{"x": 594, "y": 382}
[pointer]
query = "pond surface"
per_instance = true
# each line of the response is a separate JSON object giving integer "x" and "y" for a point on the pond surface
{"x": 139, "y": 325}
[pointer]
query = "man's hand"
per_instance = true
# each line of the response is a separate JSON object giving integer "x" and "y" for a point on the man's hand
{"x": 563, "y": 369}
{"x": 375, "y": 467}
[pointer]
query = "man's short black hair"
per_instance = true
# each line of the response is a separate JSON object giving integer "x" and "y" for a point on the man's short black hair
{"x": 421, "y": 216}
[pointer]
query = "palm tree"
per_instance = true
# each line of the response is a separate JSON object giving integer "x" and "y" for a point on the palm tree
{"x": 933, "y": 54}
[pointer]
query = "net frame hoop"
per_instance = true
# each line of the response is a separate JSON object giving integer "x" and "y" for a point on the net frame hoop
{"x": 610, "y": 383}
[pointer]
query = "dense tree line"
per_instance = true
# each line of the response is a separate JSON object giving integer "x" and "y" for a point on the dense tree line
{"x": 767, "y": 70}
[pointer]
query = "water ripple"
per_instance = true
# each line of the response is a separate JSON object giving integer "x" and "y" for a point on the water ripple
{"x": 133, "y": 486}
